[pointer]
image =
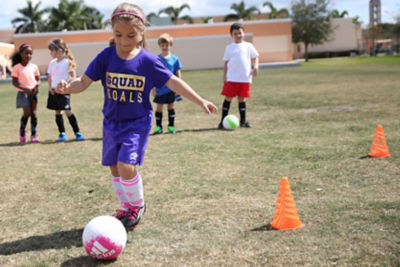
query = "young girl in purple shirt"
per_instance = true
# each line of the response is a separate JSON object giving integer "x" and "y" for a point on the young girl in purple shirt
{"x": 128, "y": 72}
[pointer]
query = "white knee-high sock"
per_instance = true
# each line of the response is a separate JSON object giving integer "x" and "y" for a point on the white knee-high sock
{"x": 117, "y": 188}
{"x": 129, "y": 192}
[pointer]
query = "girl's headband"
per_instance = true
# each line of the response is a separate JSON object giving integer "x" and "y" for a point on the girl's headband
{"x": 127, "y": 13}
{"x": 56, "y": 46}
{"x": 22, "y": 47}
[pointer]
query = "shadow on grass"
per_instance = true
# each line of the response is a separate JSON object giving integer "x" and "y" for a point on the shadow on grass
{"x": 86, "y": 261}
{"x": 58, "y": 240}
{"x": 267, "y": 227}
{"x": 190, "y": 131}
{"x": 49, "y": 142}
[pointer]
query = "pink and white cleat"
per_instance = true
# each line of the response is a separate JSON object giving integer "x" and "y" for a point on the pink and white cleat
{"x": 34, "y": 139}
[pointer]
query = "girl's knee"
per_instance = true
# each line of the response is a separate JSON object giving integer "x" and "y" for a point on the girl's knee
{"x": 114, "y": 170}
{"x": 126, "y": 171}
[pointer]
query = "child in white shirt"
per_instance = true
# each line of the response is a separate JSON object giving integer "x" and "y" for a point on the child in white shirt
{"x": 241, "y": 64}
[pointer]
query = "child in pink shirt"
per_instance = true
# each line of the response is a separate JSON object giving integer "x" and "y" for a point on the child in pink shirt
{"x": 25, "y": 77}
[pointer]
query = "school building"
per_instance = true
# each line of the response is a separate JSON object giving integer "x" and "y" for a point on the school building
{"x": 199, "y": 46}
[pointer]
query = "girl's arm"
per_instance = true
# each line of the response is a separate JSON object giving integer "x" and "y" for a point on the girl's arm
{"x": 75, "y": 86}
{"x": 72, "y": 74}
{"x": 35, "y": 90}
{"x": 17, "y": 85}
{"x": 180, "y": 87}
{"x": 49, "y": 83}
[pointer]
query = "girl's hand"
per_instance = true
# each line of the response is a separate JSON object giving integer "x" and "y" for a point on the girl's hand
{"x": 28, "y": 91}
{"x": 61, "y": 87}
{"x": 35, "y": 90}
{"x": 209, "y": 107}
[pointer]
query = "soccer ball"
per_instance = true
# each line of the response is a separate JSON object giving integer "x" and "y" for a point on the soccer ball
{"x": 104, "y": 238}
{"x": 230, "y": 122}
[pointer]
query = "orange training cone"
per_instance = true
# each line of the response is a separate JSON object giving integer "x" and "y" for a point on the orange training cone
{"x": 286, "y": 216}
{"x": 379, "y": 146}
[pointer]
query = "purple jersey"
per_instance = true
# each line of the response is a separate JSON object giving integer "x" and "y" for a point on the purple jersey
{"x": 127, "y": 83}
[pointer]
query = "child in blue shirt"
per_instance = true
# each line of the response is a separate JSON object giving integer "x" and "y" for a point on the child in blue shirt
{"x": 164, "y": 95}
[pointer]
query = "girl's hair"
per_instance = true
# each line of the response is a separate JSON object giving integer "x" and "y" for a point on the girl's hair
{"x": 165, "y": 38}
{"x": 16, "y": 57}
{"x": 130, "y": 13}
{"x": 60, "y": 44}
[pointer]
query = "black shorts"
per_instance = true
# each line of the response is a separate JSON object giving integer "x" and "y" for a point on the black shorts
{"x": 165, "y": 99}
{"x": 58, "y": 102}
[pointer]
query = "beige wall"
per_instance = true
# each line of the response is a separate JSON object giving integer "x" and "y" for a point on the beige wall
{"x": 199, "y": 45}
{"x": 199, "y": 56}
{"x": 6, "y": 36}
{"x": 347, "y": 36}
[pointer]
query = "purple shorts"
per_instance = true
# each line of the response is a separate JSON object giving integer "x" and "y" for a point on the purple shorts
{"x": 125, "y": 141}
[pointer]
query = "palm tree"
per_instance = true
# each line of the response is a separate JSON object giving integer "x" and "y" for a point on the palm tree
{"x": 336, "y": 14}
{"x": 275, "y": 13}
{"x": 241, "y": 11}
{"x": 206, "y": 19}
{"x": 174, "y": 12}
{"x": 74, "y": 15}
{"x": 152, "y": 15}
{"x": 356, "y": 20}
{"x": 31, "y": 19}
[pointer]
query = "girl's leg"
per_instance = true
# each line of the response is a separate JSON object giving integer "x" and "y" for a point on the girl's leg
{"x": 60, "y": 122}
{"x": 34, "y": 121}
{"x": 24, "y": 121}
{"x": 74, "y": 124}
{"x": 128, "y": 187}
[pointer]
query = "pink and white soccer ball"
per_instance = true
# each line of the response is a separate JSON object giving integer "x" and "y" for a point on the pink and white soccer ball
{"x": 104, "y": 238}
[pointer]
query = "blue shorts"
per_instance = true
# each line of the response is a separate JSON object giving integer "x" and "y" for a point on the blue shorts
{"x": 165, "y": 99}
{"x": 125, "y": 141}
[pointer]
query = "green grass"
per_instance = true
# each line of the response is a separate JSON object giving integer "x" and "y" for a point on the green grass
{"x": 209, "y": 193}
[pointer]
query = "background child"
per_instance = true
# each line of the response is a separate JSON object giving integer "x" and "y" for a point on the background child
{"x": 128, "y": 73}
{"x": 164, "y": 95}
{"x": 62, "y": 67}
{"x": 241, "y": 63}
{"x": 25, "y": 77}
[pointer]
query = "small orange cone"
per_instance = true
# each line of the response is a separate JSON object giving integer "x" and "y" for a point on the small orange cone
{"x": 379, "y": 148}
{"x": 286, "y": 216}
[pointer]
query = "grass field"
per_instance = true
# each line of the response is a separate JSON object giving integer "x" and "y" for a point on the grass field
{"x": 208, "y": 192}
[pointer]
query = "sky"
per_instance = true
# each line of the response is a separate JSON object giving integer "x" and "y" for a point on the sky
{"x": 205, "y": 8}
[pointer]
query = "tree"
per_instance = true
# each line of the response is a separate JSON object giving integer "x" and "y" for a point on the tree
{"x": 74, "y": 15}
{"x": 174, "y": 13}
{"x": 275, "y": 13}
{"x": 206, "y": 19}
{"x": 152, "y": 15}
{"x": 336, "y": 14}
{"x": 311, "y": 23}
{"x": 31, "y": 19}
{"x": 241, "y": 11}
{"x": 356, "y": 21}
